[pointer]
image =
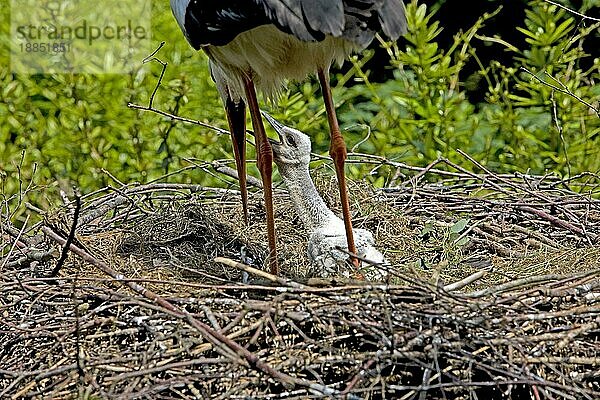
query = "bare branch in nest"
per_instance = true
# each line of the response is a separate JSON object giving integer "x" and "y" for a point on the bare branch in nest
{"x": 466, "y": 281}
{"x": 17, "y": 234}
{"x": 258, "y": 272}
{"x": 231, "y": 172}
{"x": 65, "y": 251}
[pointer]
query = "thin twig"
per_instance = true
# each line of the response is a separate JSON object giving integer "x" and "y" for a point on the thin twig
{"x": 572, "y": 11}
{"x": 65, "y": 251}
{"x": 561, "y": 90}
{"x": 259, "y": 273}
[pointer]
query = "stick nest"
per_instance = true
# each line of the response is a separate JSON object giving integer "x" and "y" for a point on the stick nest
{"x": 493, "y": 292}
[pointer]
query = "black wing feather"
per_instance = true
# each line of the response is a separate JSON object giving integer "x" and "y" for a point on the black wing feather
{"x": 392, "y": 17}
{"x": 217, "y": 22}
{"x": 312, "y": 19}
{"x": 325, "y": 16}
{"x": 308, "y": 20}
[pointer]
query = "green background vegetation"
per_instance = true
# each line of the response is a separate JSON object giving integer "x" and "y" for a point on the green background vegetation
{"x": 77, "y": 129}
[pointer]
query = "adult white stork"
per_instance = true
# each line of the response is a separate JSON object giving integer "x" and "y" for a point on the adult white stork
{"x": 260, "y": 44}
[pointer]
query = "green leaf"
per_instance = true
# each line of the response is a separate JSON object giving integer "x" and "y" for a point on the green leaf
{"x": 460, "y": 225}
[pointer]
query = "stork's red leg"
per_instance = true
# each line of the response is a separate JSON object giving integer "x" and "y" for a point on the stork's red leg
{"x": 264, "y": 162}
{"x": 236, "y": 116}
{"x": 338, "y": 152}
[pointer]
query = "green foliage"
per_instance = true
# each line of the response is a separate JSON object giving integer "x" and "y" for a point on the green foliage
{"x": 423, "y": 114}
{"x": 79, "y": 130}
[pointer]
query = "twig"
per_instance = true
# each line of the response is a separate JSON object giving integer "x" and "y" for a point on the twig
{"x": 572, "y": 11}
{"x": 466, "y": 281}
{"x": 515, "y": 284}
{"x": 231, "y": 172}
{"x": 561, "y": 90}
{"x": 152, "y": 57}
{"x": 559, "y": 222}
{"x": 65, "y": 251}
{"x": 17, "y": 237}
{"x": 259, "y": 273}
{"x": 178, "y": 118}
{"x": 357, "y": 377}
{"x": 150, "y": 107}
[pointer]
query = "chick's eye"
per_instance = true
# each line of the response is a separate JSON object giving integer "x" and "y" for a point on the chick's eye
{"x": 291, "y": 140}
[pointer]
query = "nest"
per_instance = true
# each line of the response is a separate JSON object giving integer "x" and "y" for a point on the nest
{"x": 493, "y": 292}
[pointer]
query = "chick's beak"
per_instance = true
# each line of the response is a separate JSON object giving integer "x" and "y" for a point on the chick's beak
{"x": 277, "y": 126}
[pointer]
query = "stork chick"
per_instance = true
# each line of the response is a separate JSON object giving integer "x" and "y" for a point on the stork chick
{"x": 326, "y": 231}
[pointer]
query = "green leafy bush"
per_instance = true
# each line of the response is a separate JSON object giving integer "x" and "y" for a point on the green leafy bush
{"x": 523, "y": 125}
{"x": 79, "y": 130}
